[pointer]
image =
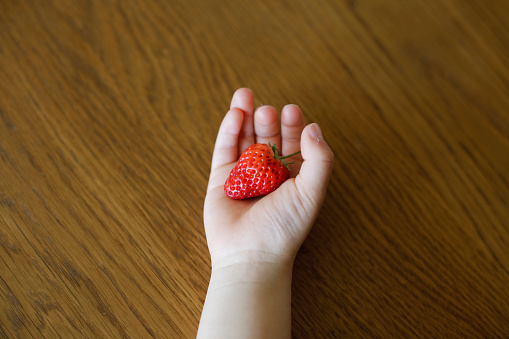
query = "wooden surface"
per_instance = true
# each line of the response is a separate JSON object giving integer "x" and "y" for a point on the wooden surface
{"x": 108, "y": 116}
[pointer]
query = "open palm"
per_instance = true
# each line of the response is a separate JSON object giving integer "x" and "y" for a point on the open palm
{"x": 269, "y": 228}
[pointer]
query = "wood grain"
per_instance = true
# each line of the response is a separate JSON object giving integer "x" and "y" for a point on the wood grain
{"x": 108, "y": 116}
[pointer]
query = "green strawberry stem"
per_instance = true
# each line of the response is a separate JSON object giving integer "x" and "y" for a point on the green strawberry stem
{"x": 280, "y": 158}
{"x": 287, "y": 156}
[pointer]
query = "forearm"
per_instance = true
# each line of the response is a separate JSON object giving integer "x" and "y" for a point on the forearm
{"x": 248, "y": 300}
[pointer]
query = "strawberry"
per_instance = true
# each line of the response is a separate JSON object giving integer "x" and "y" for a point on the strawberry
{"x": 259, "y": 171}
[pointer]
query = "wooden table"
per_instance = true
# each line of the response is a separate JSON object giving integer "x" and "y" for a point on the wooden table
{"x": 108, "y": 116}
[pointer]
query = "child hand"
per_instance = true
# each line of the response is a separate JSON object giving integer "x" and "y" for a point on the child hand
{"x": 267, "y": 229}
{"x": 253, "y": 242}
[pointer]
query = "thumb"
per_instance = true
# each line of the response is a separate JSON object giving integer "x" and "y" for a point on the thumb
{"x": 316, "y": 169}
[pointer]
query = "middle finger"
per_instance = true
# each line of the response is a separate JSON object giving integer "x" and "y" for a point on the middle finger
{"x": 266, "y": 126}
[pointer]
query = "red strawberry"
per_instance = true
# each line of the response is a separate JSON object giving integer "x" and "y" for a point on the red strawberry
{"x": 259, "y": 171}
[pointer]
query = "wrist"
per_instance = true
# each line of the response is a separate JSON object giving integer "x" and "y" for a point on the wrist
{"x": 250, "y": 266}
{"x": 248, "y": 298}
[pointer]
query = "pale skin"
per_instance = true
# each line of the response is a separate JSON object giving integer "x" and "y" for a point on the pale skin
{"x": 253, "y": 242}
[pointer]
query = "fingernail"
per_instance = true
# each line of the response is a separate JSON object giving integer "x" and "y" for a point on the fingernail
{"x": 315, "y": 132}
